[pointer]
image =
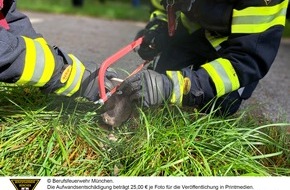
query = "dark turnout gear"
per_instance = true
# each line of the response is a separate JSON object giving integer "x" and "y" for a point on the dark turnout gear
{"x": 147, "y": 86}
{"x": 221, "y": 49}
{"x": 27, "y": 59}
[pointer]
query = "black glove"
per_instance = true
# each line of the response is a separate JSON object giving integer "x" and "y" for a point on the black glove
{"x": 89, "y": 86}
{"x": 147, "y": 86}
{"x": 155, "y": 39}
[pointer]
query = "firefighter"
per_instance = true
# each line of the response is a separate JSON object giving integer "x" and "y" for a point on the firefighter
{"x": 207, "y": 52}
{"x": 27, "y": 59}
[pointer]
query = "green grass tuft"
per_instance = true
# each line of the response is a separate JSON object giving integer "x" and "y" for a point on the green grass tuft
{"x": 54, "y": 136}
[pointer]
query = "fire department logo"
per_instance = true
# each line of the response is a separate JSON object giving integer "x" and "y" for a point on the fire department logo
{"x": 24, "y": 184}
{"x": 267, "y": 2}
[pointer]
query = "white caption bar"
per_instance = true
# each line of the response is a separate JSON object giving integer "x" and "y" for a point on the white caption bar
{"x": 149, "y": 183}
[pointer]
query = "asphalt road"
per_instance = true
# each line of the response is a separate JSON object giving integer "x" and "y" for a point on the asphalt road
{"x": 93, "y": 39}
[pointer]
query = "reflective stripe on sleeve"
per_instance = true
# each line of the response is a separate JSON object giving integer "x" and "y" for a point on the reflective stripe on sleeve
{"x": 74, "y": 81}
{"x": 39, "y": 63}
{"x": 259, "y": 19}
{"x": 223, "y": 76}
{"x": 159, "y": 15}
{"x": 215, "y": 41}
{"x": 189, "y": 25}
{"x": 178, "y": 83}
{"x": 156, "y": 4}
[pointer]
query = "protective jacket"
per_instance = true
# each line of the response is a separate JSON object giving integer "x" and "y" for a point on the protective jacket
{"x": 234, "y": 43}
{"x": 26, "y": 58}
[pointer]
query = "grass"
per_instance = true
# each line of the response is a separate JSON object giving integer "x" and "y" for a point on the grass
{"x": 49, "y": 136}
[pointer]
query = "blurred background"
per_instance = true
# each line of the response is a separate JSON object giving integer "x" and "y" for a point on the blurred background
{"x": 134, "y": 10}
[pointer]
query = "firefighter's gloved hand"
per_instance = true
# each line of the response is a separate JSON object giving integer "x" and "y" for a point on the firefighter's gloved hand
{"x": 89, "y": 88}
{"x": 155, "y": 39}
{"x": 73, "y": 77}
{"x": 148, "y": 87}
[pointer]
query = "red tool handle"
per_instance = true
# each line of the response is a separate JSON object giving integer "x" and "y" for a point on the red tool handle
{"x": 110, "y": 61}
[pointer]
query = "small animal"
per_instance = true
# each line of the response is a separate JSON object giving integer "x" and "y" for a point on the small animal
{"x": 117, "y": 109}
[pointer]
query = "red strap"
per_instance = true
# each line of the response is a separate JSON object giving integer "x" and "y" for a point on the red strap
{"x": 171, "y": 19}
{"x": 3, "y": 22}
{"x": 1, "y": 4}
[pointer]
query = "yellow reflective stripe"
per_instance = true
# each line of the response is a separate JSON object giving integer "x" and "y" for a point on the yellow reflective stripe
{"x": 178, "y": 83}
{"x": 190, "y": 26}
{"x": 39, "y": 63}
{"x": 159, "y": 15}
{"x": 215, "y": 41}
{"x": 217, "y": 80}
{"x": 29, "y": 62}
{"x": 156, "y": 4}
{"x": 259, "y": 19}
{"x": 41, "y": 40}
{"x": 49, "y": 63}
{"x": 223, "y": 76}
{"x": 262, "y": 11}
{"x": 74, "y": 81}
